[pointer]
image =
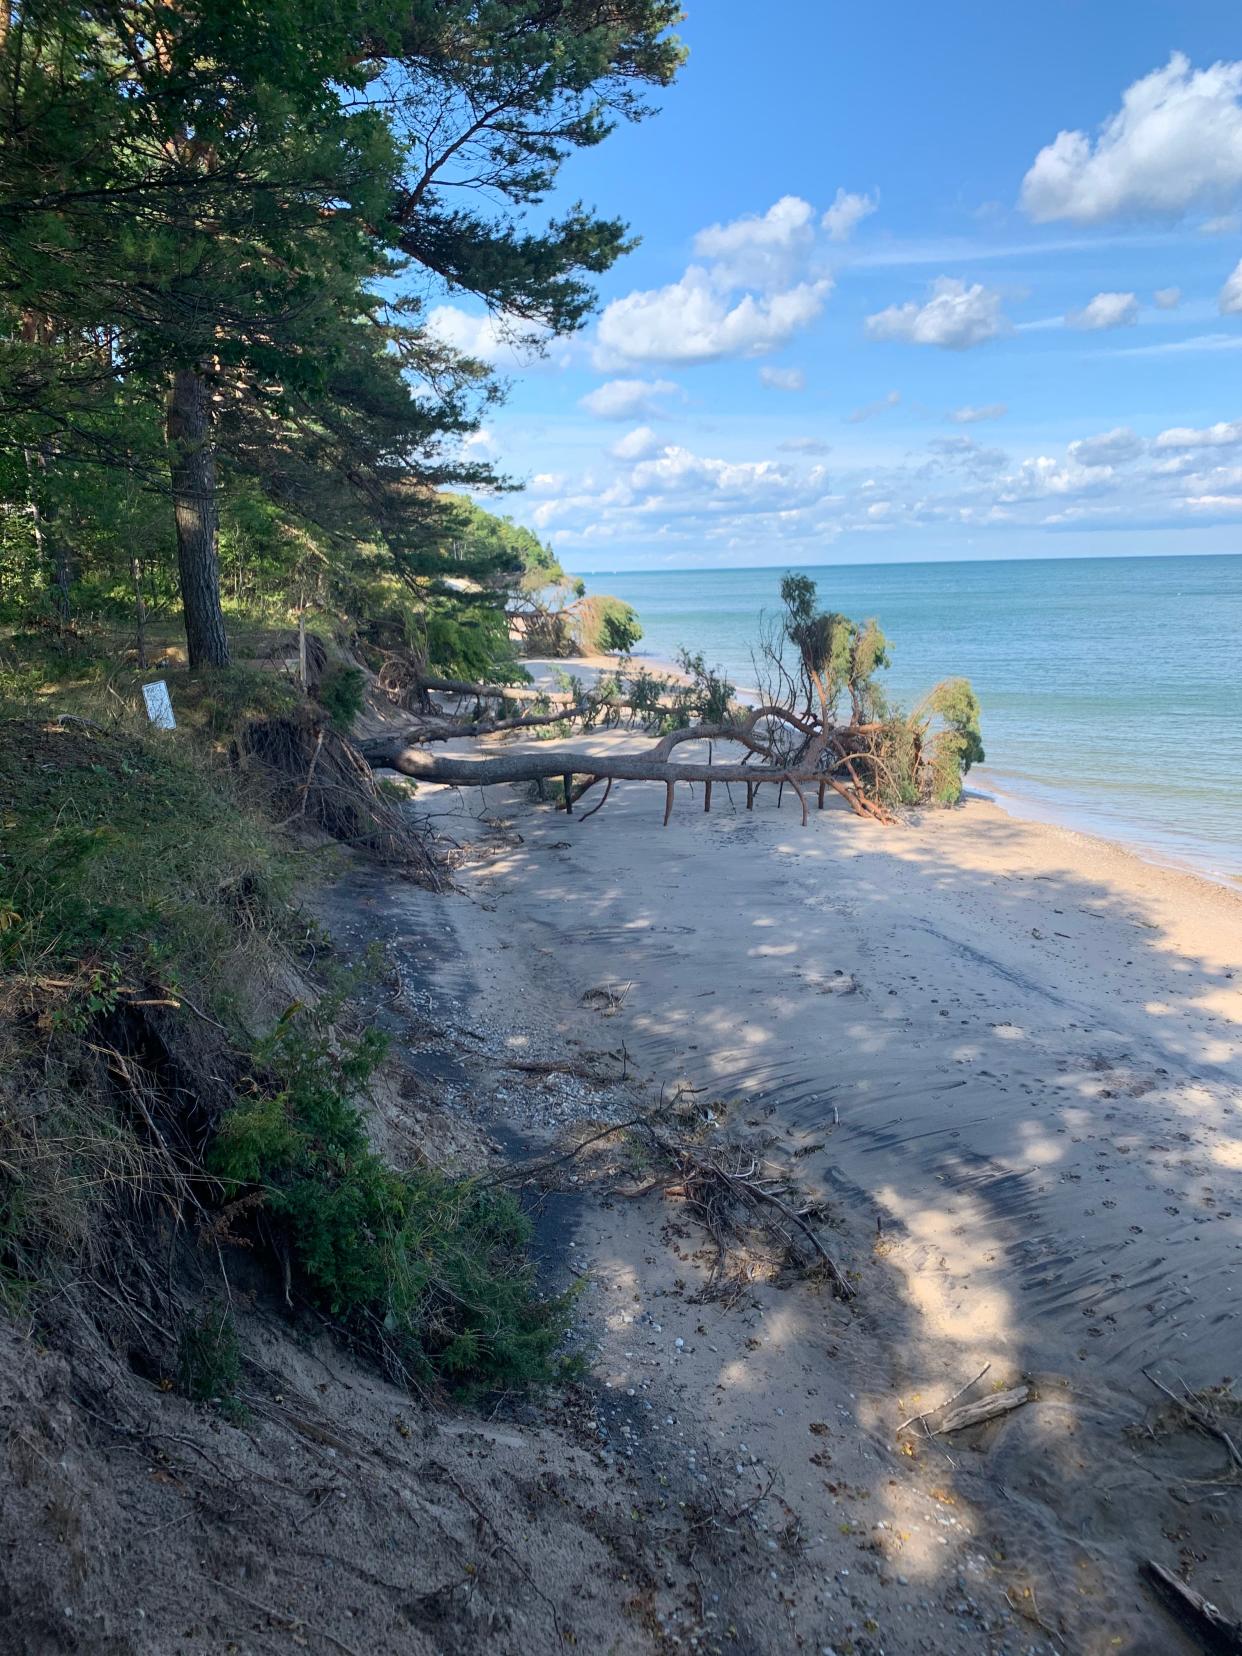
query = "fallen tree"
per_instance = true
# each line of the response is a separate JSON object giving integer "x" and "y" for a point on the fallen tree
{"x": 878, "y": 759}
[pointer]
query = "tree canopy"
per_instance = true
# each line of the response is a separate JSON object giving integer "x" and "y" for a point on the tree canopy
{"x": 221, "y": 230}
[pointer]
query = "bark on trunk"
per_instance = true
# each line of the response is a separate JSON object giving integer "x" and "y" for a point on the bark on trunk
{"x": 393, "y": 753}
{"x": 140, "y": 612}
{"x": 192, "y": 469}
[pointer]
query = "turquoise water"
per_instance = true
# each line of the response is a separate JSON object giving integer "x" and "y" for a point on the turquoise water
{"x": 1111, "y": 687}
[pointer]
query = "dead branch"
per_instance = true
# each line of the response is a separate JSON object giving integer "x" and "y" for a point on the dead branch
{"x": 1213, "y": 1630}
{"x": 532, "y": 1170}
{"x": 1202, "y": 1420}
{"x": 722, "y": 1198}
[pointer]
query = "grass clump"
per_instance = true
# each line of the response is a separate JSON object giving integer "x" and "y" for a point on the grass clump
{"x": 127, "y": 864}
{"x": 209, "y": 1359}
{"x": 428, "y": 1271}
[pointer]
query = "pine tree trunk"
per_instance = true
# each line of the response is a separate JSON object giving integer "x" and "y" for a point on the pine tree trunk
{"x": 192, "y": 467}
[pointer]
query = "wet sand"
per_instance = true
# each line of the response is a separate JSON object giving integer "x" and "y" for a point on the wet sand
{"x": 1009, "y": 1055}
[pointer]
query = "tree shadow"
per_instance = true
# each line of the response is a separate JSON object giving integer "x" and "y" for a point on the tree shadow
{"x": 1013, "y": 1052}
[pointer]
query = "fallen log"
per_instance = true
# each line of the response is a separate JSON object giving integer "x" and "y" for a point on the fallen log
{"x": 555, "y": 763}
{"x": 820, "y": 752}
{"x": 1198, "y": 1615}
{"x": 435, "y": 728}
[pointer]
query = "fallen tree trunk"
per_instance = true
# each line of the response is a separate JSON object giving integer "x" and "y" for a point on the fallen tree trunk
{"x": 555, "y": 763}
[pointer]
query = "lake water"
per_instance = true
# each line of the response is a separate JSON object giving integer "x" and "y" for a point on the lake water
{"x": 1111, "y": 687}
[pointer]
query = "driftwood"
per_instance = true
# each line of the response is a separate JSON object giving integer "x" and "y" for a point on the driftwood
{"x": 987, "y": 1408}
{"x": 1198, "y": 1615}
{"x": 968, "y": 1414}
{"x": 720, "y": 1195}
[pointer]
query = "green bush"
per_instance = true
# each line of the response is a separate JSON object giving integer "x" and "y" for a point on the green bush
{"x": 606, "y": 625}
{"x": 209, "y": 1358}
{"x": 429, "y": 1271}
{"x": 341, "y": 695}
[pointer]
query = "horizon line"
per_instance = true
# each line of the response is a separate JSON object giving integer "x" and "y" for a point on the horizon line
{"x": 905, "y": 563}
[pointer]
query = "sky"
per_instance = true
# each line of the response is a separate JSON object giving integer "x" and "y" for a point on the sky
{"x": 913, "y": 283}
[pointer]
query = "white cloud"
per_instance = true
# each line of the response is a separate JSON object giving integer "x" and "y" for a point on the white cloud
{"x": 955, "y": 317}
{"x": 761, "y": 250}
{"x": 690, "y": 507}
{"x": 869, "y": 410}
{"x": 628, "y": 399}
{"x": 1175, "y": 143}
{"x": 1221, "y": 435}
{"x": 783, "y": 379}
{"x": 1168, "y": 298}
{"x": 1231, "y": 293}
{"x": 847, "y": 213}
{"x": 1110, "y": 448}
{"x": 969, "y": 415}
{"x": 678, "y": 470}
{"x": 805, "y": 445}
{"x": 1106, "y": 310}
{"x": 691, "y": 320}
{"x": 502, "y": 341}
{"x": 638, "y": 444}
{"x": 481, "y": 442}
{"x": 754, "y": 288}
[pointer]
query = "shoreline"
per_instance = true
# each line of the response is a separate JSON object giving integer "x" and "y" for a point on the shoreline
{"x": 1070, "y": 818}
{"x": 1004, "y": 1057}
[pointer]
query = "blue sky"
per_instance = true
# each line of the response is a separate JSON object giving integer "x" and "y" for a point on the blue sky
{"x": 955, "y": 282}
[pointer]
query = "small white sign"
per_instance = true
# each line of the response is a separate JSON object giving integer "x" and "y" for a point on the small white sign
{"x": 159, "y": 707}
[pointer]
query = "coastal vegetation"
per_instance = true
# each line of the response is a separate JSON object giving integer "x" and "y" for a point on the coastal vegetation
{"x": 820, "y": 721}
{"x": 238, "y": 454}
{"x": 233, "y": 445}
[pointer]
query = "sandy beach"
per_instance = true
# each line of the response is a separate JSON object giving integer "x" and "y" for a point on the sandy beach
{"x": 1006, "y": 1055}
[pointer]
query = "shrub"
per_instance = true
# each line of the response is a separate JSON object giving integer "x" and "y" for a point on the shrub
{"x": 606, "y": 625}
{"x": 209, "y": 1357}
{"x": 341, "y": 695}
{"x": 429, "y": 1271}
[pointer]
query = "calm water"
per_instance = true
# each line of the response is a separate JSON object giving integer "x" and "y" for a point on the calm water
{"x": 1111, "y": 687}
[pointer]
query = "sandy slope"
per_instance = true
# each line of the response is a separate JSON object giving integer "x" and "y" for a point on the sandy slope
{"x": 1012, "y": 1052}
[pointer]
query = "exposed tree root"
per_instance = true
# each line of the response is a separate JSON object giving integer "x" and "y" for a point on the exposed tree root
{"x": 317, "y": 776}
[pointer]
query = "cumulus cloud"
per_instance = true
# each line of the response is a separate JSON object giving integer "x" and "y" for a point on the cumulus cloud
{"x": 1231, "y": 293}
{"x": 1110, "y": 448}
{"x": 847, "y": 213}
{"x": 502, "y": 341}
{"x": 628, "y": 399}
{"x": 697, "y": 506}
{"x": 955, "y": 317}
{"x": 1106, "y": 310}
{"x": 1168, "y": 298}
{"x": 868, "y": 411}
{"x": 783, "y": 379}
{"x": 1175, "y": 144}
{"x": 753, "y": 288}
{"x": 636, "y": 445}
{"x": 759, "y": 250}
{"x": 692, "y": 320}
{"x": 1223, "y": 434}
{"x": 969, "y": 415}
